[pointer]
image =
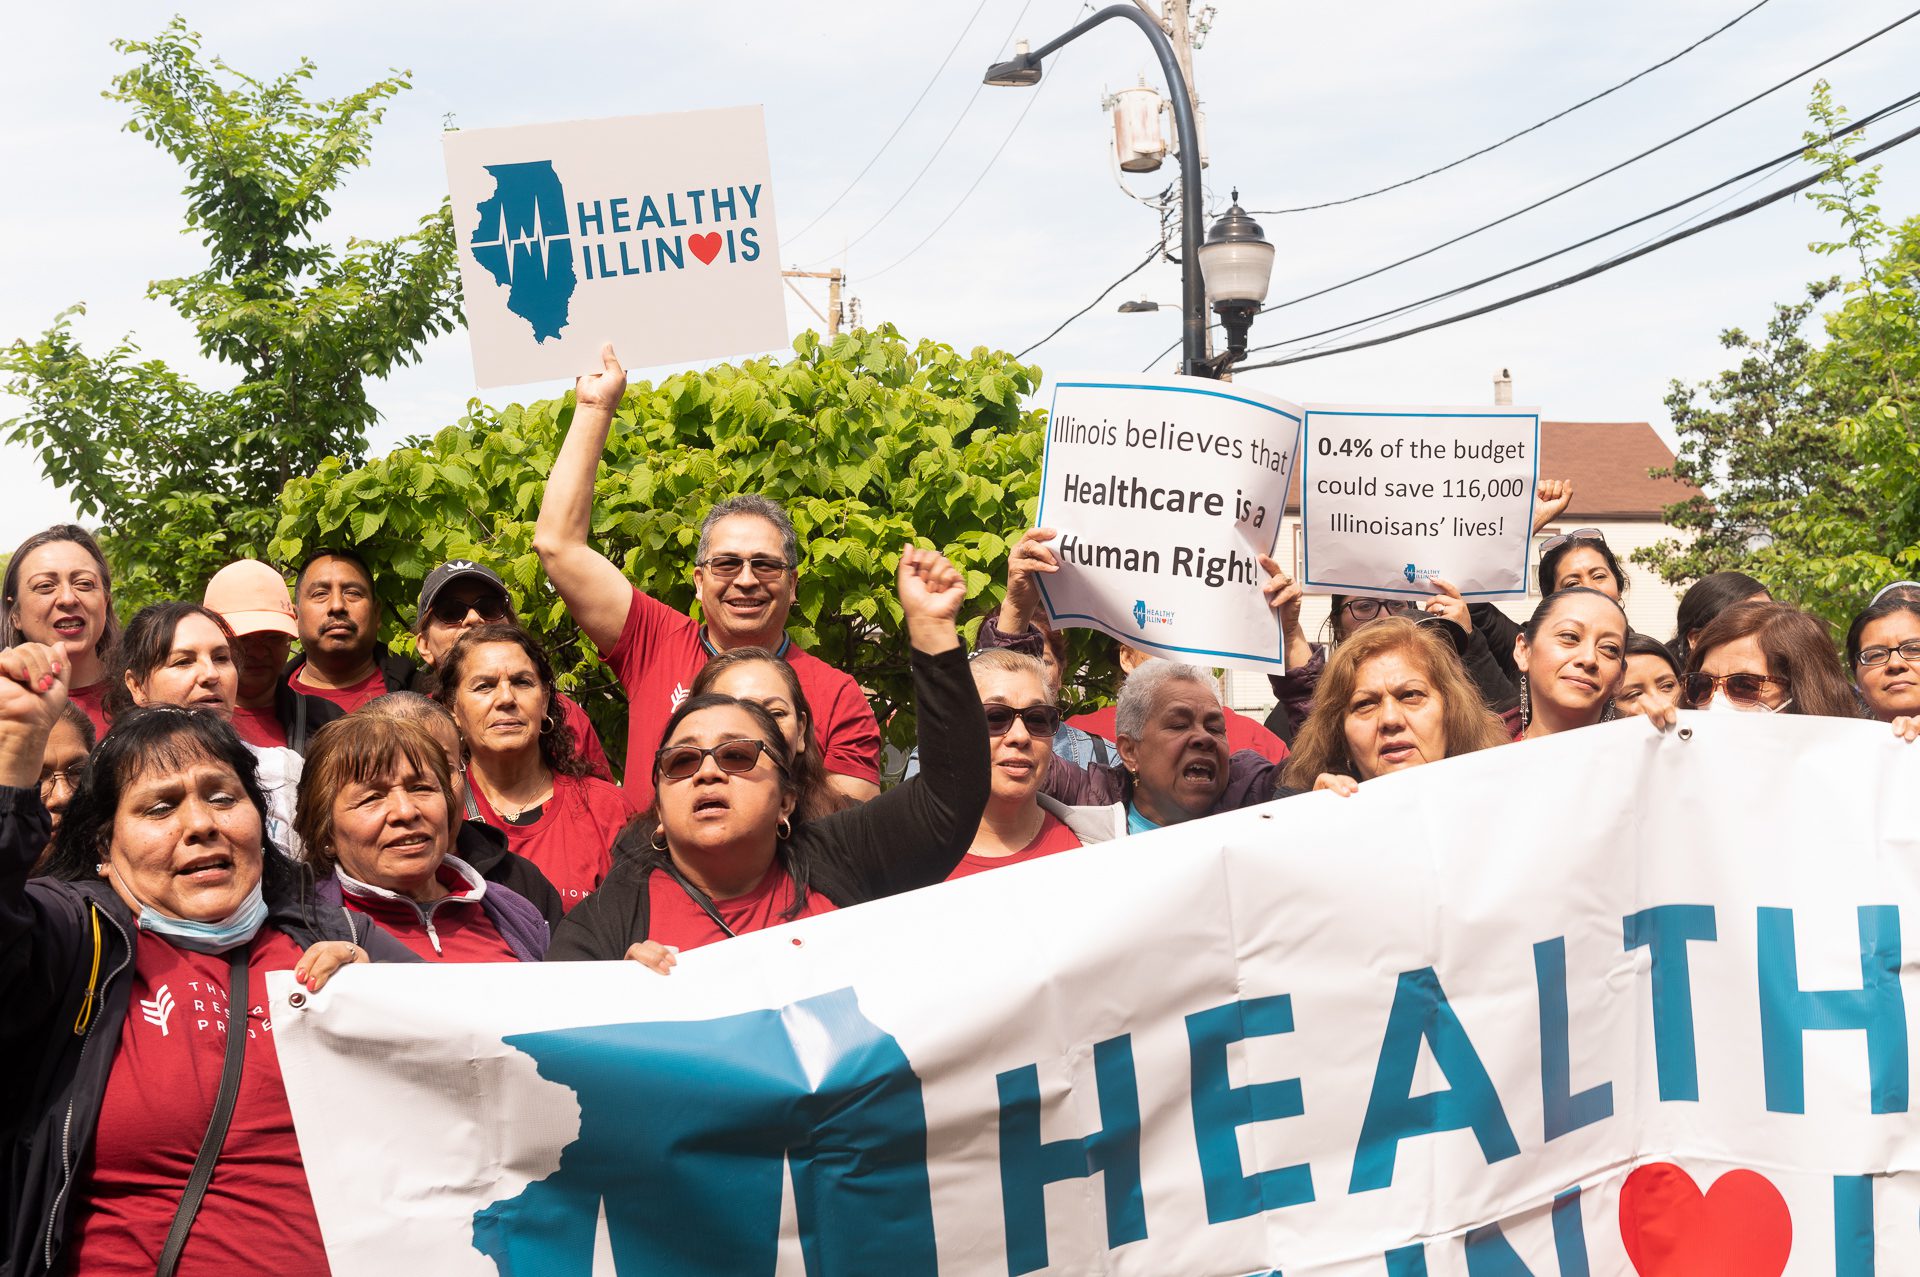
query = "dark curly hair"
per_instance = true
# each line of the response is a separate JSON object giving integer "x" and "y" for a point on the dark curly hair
{"x": 556, "y": 742}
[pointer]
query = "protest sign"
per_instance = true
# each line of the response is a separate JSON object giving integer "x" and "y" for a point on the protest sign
{"x": 1442, "y": 1027}
{"x": 1391, "y": 498}
{"x": 654, "y": 232}
{"x": 1165, "y": 491}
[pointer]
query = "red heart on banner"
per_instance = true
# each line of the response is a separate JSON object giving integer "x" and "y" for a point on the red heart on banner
{"x": 1740, "y": 1228}
{"x": 705, "y": 247}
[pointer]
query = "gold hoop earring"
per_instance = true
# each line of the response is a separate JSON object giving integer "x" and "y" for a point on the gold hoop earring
{"x": 783, "y": 830}
{"x": 659, "y": 840}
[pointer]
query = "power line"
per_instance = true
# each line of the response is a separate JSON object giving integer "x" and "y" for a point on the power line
{"x": 1764, "y": 168}
{"x": 1353, "y": 199}
{"x": 1322, "y": 292}
{"x": 1152, "y": 253}
{"x": 958, "y": 120}
{"x": 1591, "y": 271}
{"x": 896, "y": 128}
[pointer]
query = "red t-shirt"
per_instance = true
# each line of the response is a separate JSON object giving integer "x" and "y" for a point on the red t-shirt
{"x": 257, "y": 1215}
{"x": 1053, "y": 836}
{"x": 586, "y": 741}
{"x": 674, "y": 919}
{"x": 347, "y": 698}
{"x": 461, "y": 930}
{"x": 259, "y": 727}
{"x": 92, "y": 700}
{"x": 1242, "y": 733}
{"x": 572, "y": 840}
{"x": 657, "y": 657}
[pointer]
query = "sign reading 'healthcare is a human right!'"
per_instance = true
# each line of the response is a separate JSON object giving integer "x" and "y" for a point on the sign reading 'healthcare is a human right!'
{"x": 653, "y": 232}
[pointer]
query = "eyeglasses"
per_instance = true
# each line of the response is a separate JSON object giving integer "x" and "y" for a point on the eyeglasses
{"x": 1742, "y": 689}
{"x": 1368, "y": 609}
{"x": 54, "y": 781}
{"x": 728, "y": 566}
{"x": 1041, "y": 720}
{"x": 491, "y": 607}
{"x": 1909, "y": 652}
{"x": 1551, "y": 544}
{"x": 735, "y": 757}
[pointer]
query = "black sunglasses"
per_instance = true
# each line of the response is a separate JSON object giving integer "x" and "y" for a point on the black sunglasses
{"x": 1041, "y": 720}
{"x": 735, "y": 757}
{"x": 448, "y": 611}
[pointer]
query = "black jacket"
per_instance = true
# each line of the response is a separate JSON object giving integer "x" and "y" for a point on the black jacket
{"x": 913, "y": 835}
{"x": 301, "y": 715}
{"x": 485, "y": 848}
{"x": 53, "y": 1076}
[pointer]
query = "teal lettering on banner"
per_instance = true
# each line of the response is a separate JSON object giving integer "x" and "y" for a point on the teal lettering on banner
{"x": 1665, "y": 931}
{"x": 1563, "y": 1111}
{"x": 1220, "y": 1109}
{"x": 1788, "y": 1012}
{"x": 1027, "y": 1165}
{"x": 1420, "y": 1013}
{"x": 1407, "y": 1261}
{"x": 1852, "y": 1226}
{"x": 1489, "y": 1254}
{"x": 685, "y": 1128}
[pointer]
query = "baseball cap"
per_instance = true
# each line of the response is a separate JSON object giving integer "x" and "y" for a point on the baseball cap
{"x": 252, "y": 596}
{"x": 456, "y": 570}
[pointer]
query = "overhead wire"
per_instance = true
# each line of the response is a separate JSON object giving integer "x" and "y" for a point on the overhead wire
{"x": 1765, "y": 169}
{"x": 1589, "y": 273}
{"x": 931, "y": 159}
{"x": 931, "y": 80}
{"x": 1152, "y": 253}
{"x": 1512, "y": 137}
{"x": 1588, "y": 181}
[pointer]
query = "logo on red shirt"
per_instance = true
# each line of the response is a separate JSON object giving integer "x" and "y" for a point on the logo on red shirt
{"x": 679, "y": 694}
{"x": 159, "y": 1010}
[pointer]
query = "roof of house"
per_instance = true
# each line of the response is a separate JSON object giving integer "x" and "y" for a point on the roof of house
{"x": 1608, "y": 463}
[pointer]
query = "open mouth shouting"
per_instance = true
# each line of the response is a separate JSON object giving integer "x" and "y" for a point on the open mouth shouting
{"x": 211, "y": 870}
{"x": 711, "y": 805}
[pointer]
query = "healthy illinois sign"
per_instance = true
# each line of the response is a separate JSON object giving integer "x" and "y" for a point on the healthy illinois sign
{"x": 1640, "y": 1023}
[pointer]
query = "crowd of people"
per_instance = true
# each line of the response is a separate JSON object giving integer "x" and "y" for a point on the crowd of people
{"x": 187, "y": 804}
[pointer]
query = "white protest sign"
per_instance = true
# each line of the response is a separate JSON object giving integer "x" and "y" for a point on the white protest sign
{"x": 1391, "y": 498}
{"x": 1438, "y": 1028}
{"x": 654, "y": 232}
{"x": 1165, "y": 491}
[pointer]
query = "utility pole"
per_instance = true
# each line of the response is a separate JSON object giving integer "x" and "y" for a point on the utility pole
{"x": 836, "y": 278}
{"x": 1178, "y": 24}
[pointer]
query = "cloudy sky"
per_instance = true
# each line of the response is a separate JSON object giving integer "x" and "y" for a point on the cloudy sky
{"x": 1304, "y": 104}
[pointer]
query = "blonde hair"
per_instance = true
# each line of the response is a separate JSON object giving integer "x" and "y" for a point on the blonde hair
{"x": 1321, "y": 743}
{"x": 1004, "y": 660}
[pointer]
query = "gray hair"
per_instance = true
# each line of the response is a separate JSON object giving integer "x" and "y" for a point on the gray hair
{"x": 407, "y": 707}
{"x": 1143, "y": 687}
{"x": 1004, "y": 660}
{"x": 751, "y": 503}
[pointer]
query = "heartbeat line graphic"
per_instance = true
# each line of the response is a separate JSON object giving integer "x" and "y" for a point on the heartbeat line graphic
{"x": 537, "y": 236}
{"x": 159, "y": 1010}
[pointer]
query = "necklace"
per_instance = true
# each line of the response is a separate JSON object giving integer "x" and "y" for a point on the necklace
{"x": 513, "y": 814}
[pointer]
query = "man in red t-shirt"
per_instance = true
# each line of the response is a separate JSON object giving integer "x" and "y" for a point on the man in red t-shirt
{"x": 745, "y": 573}
{"x": 460, "y": 594}
{"x": 341, "y": 657}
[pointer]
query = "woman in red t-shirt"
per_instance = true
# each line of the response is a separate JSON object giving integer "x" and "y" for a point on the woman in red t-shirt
{"x": 58, "y": 592}
{"x": 756, "y": 674}
{"x": 134, "y": 969}
{"x": 1021, "y": 823}
{"x": 523, "y": 776}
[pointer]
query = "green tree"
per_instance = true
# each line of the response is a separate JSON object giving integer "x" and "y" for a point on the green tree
{"x": 182, "y": 478}
{"x": 1807, "y": 454}
{"x": 870, "y": 443}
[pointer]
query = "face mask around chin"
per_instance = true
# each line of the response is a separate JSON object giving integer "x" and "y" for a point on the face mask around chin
{"x": 1721, "y": 705}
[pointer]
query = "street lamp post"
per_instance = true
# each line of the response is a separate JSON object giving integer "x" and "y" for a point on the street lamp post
{"x": 1237, "y": 261}
{"x": 1024, "y": 70}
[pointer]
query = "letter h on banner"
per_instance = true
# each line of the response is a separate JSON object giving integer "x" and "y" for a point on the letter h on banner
{"x": 1027, "y": 1165}
{"x": 1788, "y": 1012}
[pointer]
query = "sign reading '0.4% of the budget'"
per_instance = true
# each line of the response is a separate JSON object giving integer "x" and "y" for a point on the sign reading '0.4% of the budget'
{"x": 1392, "y": 499}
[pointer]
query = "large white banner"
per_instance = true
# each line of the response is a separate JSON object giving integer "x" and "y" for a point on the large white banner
{"x": 1165, "y": 492}
{"x": 654, "y": 232}
{"x": 1392, "y": 498}
{"x": 1611, "y": 1004}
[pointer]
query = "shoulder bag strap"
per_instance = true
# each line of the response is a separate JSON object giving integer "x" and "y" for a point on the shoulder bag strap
{"x": 216, "y": 1136}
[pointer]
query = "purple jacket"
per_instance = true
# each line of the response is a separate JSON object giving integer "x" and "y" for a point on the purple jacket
{"x": 519, "y": 923}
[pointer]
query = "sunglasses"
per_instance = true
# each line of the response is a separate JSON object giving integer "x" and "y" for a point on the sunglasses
{"x": 1041, "y": 720}
{"x": 1909, "y": 652}
{"x": 1551, "y": 544}
{"x": 735, "y": 757}
{"x": 1742, "y": 689}
{"x": 728, "y": 566}
{"x": 491, "y": 608}
{"x": 1369, "y": 609}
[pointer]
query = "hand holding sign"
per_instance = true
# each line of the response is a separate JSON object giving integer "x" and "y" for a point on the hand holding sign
{"x": 601, "y": 391}
{"x": 1029, "y": 557}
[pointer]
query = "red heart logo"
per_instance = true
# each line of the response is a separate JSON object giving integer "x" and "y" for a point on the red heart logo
{"x": 705, "y": 247}
{"x": 1740, "y": 1228}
